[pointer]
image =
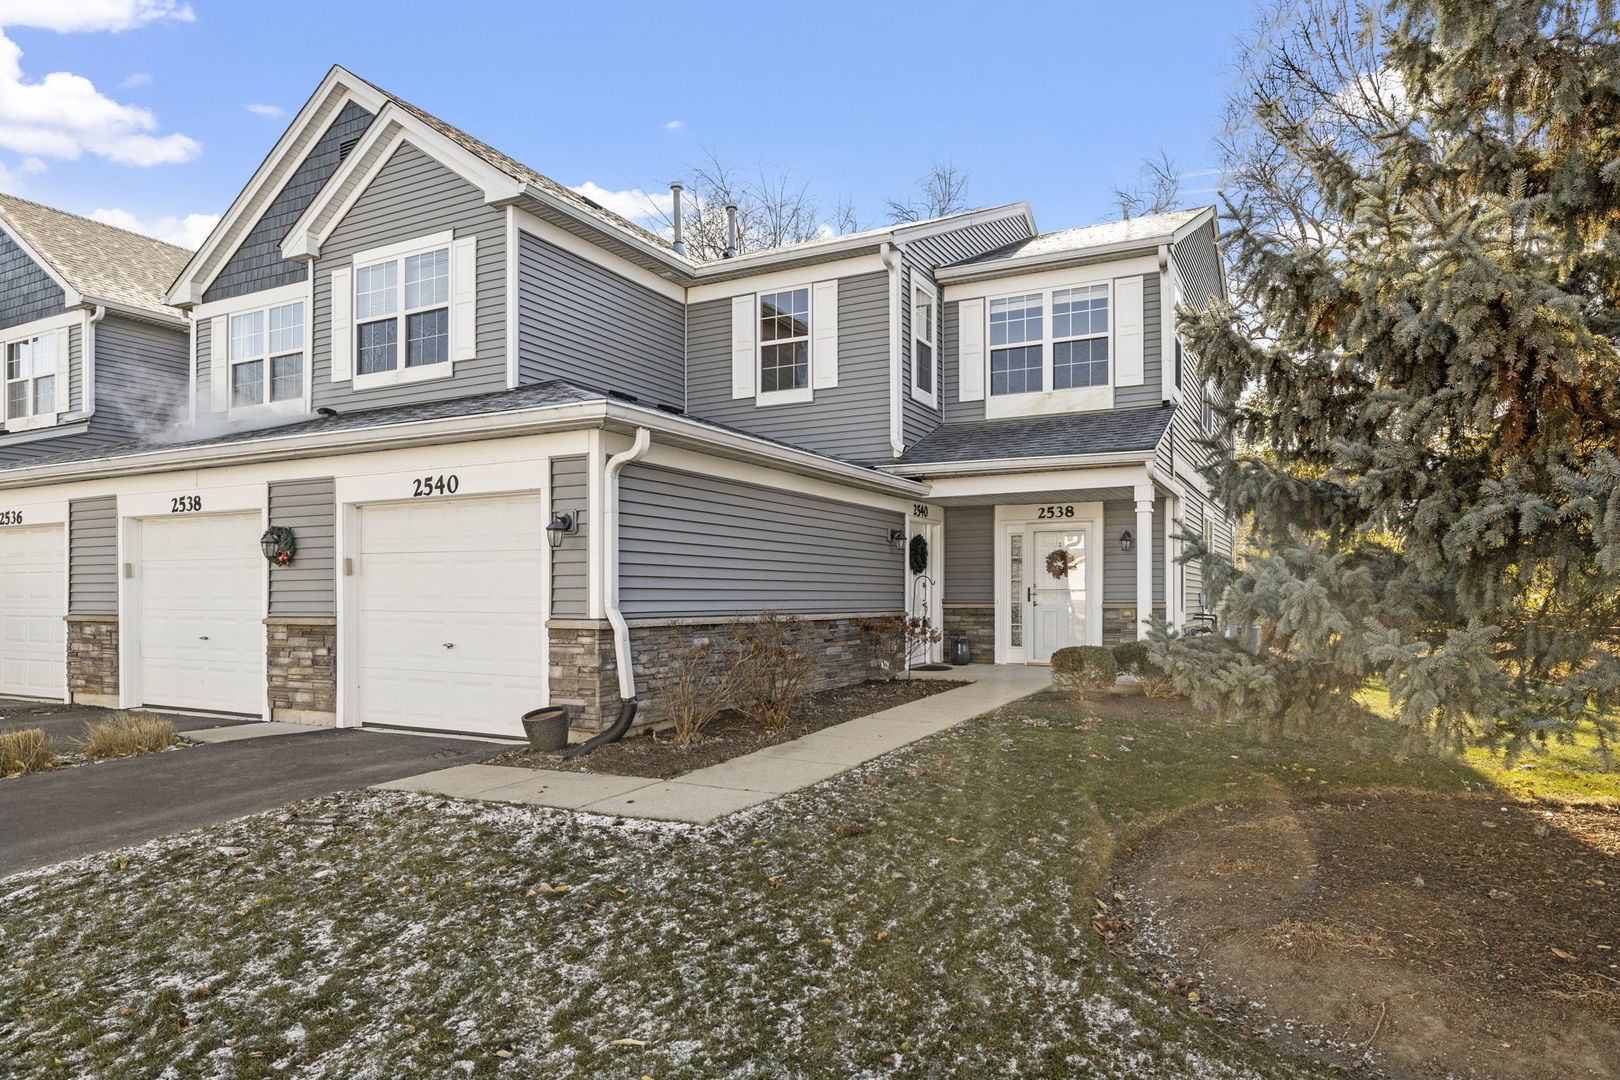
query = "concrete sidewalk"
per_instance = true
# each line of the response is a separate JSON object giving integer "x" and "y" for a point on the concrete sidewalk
{"x": 705, "y": 795}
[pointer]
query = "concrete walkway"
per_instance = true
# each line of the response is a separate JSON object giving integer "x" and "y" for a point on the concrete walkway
{"x": 705, "y": 795}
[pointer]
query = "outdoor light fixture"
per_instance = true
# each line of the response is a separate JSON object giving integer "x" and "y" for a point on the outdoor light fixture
{"x": 562, "y": 524}
{"x": 897, "y": 537}
{"x": 278, "y": 545}
{"x": 1126, "y": 540}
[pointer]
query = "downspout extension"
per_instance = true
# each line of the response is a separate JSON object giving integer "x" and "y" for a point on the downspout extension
{"x": 623, "y": 660}
{"x": 891, "y": 260}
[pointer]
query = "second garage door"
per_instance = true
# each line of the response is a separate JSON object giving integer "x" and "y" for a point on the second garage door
{"x": 201, "y": 626}
{"x": 33, "y": 580}
{"x": 450, "y": 628}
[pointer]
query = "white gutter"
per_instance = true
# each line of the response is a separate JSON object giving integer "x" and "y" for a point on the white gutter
{"x": 897, "y": 436}
{"x": 610, "y": 581}
{"x": 87, "y": 359}
{"x": 1023, "y": 464}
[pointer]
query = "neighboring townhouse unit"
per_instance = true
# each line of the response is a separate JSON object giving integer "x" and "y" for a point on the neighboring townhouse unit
{"x": 458, "y": 442}
{"x": 90, "y": 356}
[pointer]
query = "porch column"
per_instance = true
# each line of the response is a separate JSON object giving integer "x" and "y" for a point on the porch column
{"x": 1144, "y": 558}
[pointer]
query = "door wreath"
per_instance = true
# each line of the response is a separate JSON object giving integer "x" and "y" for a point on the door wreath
{"x": 919, "y": 554}
{"x": 1059, "y": 563}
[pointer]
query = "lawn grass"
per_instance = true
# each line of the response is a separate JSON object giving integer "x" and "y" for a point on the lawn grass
{"x": 926, "y": 915}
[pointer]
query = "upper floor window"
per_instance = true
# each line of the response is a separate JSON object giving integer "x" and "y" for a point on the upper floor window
{"x": 1017, "y": 364}
{"x": 402, "y": 310}
{"x": 31, "y": 366}
{"x": 266, "y": 356}
{"x": 924, "y": 349}
{"x": 784, "y": 341}
{"x": 1029, "y": 353}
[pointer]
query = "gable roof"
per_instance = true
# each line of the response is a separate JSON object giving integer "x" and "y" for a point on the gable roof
{"x": 102, "y": 263}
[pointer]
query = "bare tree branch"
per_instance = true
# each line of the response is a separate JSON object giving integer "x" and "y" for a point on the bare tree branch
{"x": 1158, "y": 188}
{"x": 937, "y": 193}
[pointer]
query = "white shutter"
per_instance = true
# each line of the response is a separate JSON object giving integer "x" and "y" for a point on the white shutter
{"x": 970, "y": 350}
{"x": 219, "y": 364}
{"x": 1128, "y": 331}
{"x": 342, "y": 325}
{"x": 743, "y": 321}
{"x": 824, "y": 335}
{"x": 464, "y": 298}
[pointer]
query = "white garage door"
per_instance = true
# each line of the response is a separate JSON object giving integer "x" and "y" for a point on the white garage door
{"x": 201, "y": 642}
{"x": 33, "y": 591}
{"x": 450, "y": 629}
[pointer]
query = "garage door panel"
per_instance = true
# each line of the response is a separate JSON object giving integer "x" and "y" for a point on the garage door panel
{"x": 33, "y": 601}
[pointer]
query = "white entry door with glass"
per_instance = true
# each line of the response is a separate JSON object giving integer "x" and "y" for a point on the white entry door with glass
{"x": 1052, "y": 596}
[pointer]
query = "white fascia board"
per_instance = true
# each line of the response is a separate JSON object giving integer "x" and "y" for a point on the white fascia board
{"x": 679, "y": 264}
{"x": 1194, "y": 225}
{"x": 337, "y": 89}
{"x": 600, "y": 256}
{"x": 793, "y": 278}
{"x": 1036, "y": 278}
{"x": 1056, "y": 259}
{"x": 1019, "y": 465}
{"x": 1055, "y": 479}
{"x": 281, "y": 294}
{"x": 903, "y": 233}
{"x": 175, "y": 320}
{"x": 70, "y": 296}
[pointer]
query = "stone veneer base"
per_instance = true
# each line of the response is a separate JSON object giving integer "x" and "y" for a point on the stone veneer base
{"x": 92, "y": 660}
{"x": 301, "y": 655}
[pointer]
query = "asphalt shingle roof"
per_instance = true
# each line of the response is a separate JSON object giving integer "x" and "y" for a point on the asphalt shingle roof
{"x": 101, "y": 261}
{"x": 1089, "y": 236}
{"x": 1118, "y": 430}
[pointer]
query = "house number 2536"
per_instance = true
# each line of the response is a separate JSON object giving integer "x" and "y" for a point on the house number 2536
{"x": 443, "y": 484}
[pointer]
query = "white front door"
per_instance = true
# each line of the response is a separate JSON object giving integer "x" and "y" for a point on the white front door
{"x": 450, "y": 628}
{"x": 1055, "y": 568}
{"x": 200, "y": 638}
{"x": 924, "y": 601}
{"x": 33, "y": 590}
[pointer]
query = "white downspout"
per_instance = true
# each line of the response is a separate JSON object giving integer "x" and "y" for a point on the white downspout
{"x": 88, "y": 361}
{"x": 610, "y": 584}
{"x": 897, "y": 438}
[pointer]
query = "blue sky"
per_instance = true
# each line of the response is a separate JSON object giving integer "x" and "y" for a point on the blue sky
{"x": 146, "y": 120}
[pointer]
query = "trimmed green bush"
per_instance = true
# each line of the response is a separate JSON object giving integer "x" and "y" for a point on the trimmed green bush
{"x": 1085, "y": 670}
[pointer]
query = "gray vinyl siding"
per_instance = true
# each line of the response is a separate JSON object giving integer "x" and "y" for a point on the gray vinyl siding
{"x": 141, "y": 385}
{"x": 950, "y": 383}
{"x": 919, "y": 417}
{"x": 570, "y": 564}
{"x": 1151, "y": 391}
{"x": 958, "y": 244}
{"x": 970, "y": 555}
{"x": 411, "y": 196}
{"x": 584, "y": 324}
{"x": 306, "y": 587}
{"x": 93, "y": 556}
{"x": 1198, "y": 267}
{"x": 704, "y": 546}
{"x": 849, "y": 421}
{"x": 257, "y": 263}
{"x": 26, "y": 290}
{"x": 1119, "y": 567}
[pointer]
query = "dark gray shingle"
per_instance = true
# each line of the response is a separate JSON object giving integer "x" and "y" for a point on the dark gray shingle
{"x": 1115, "y": 431}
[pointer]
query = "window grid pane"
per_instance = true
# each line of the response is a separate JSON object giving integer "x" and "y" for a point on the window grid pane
{"x": 1015, "y": 371}
{"x": 427, "y": 337}
{"x": 287, "y": 328}
{"x": 17, "y": 360}
{"x": 784, "y": 316}
{"x": 247, "y": 336}
{"x": 374, "y": 290}
{"x": 784, "y": 366}
{"x": 1080, "y": 363}
{"x": 17, "y": 399}
{"x": 1015, "y": 319}
{"x": 377, "y": 343}
{"x": 1079, "y": 312}
{"x": 427, "y": 279}
{"x": 44, "y": 394}
{"x": 1015, "y": 554}
{"x": 247, "y": 383}
{"x": 925, "y": 367}
{"x": 286, "y": 377}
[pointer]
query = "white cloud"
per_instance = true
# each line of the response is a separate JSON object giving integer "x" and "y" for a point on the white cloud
{"x": 135, "y": 79}
{"x": 63, "y": 115}
{"x": 265, "y": 110}
{"x": 675, "y": 125}
{"x": 32, "y": 165}
{"x": 189, "y": 231}
{"x": 632, "y": 203}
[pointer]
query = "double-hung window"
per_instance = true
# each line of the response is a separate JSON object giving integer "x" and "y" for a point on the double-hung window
{"x": 31, "y": 376}
{"x": 402, "y": 312}
{"x": 784, "y": 341}
{"x": 1017, "y": 350}
{"x": 1052, "y": 340}
{"x": 266, "y": 355}
{"x": 1080, "y": 337}
{"x": 924, "y": 349}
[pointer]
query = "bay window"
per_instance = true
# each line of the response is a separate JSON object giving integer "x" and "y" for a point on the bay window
{"x": 266, "y": 356}
{"x": 30, "y": 375}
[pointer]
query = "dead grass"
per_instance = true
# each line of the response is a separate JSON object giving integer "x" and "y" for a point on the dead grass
{"x": 1591, "y": 994}
{"x": 125, "y": 733}
{"x": 25, "y": 751}
{"x": 1311, "y": 939}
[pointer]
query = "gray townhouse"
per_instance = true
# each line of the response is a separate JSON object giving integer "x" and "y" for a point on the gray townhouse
{"x": 428, "y": 440}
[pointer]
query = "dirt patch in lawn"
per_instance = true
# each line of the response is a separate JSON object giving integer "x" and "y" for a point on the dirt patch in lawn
{"x": 1426, "y": 935}
{"x": 732, "y": 734}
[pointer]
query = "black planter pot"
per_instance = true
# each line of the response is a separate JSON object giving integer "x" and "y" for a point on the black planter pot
{"x": 547, "y": 728}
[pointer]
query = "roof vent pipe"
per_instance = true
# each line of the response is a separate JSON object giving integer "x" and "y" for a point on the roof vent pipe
{"x": 675, "y": 190}
{"x": 731, "y": 230}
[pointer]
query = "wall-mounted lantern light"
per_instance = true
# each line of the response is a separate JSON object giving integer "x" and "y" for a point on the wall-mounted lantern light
{"x": 897, "y": 537}
{"x": 563, "y": 524}
{"x": 278, "y": 545}
{"x": 1126, "y": 540}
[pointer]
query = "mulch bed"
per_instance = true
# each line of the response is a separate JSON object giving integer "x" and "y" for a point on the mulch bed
{"x": 732, "y": 735}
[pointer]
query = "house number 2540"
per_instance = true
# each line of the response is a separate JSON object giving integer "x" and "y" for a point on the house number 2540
{"x": 443, "y": 484}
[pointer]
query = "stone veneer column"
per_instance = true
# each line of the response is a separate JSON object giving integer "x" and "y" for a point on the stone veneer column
{"x": 302, "y": 661}
{"x": 92, "y": 660}
{"x": 582, "y": 672}
{"x": 977, "y": 623}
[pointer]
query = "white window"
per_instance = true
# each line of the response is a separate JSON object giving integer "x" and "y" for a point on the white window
{"x": 924, "y": 347}
{"x": 402, "y": 312}
{"x": 31, "y": 376}
{"x": 1017, "y": 356}
{"x": 1080, "y": 337}
{"x": 784, "y": 341}
{"x": 266, "y": 356}
{"x": 1030, "y": 353}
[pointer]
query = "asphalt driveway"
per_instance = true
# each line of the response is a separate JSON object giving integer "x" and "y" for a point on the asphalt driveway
{"x": 64, "y": 724}
{"x": 64, "y": 813}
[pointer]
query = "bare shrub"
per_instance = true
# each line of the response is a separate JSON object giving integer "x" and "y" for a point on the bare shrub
{"x": 769, "y": 671}
{"x": 892, "y": 640}
{"x": 703, "y": 688}
{"x": 126, "y": 733}
{"x": 1085, "y": 670}
{"x": 25, "y": 751}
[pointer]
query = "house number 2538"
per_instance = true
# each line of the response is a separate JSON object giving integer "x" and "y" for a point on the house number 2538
{"x": 185, "y": 504}
{"x": 1055, "y": 512}
{"x": 443, "y": 484}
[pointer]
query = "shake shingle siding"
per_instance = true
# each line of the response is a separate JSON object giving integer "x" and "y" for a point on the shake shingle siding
{"x": 93, "y": 556}
{"x": 849, "y": 421}
{"x": 413, "y": 196}
{"x": 26, "y": 290}
{"x": 257, "y": 263}
{"x": 306, "y": 587}
{"x": 692, "y": 546}
{"x": 582, "y": 323}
